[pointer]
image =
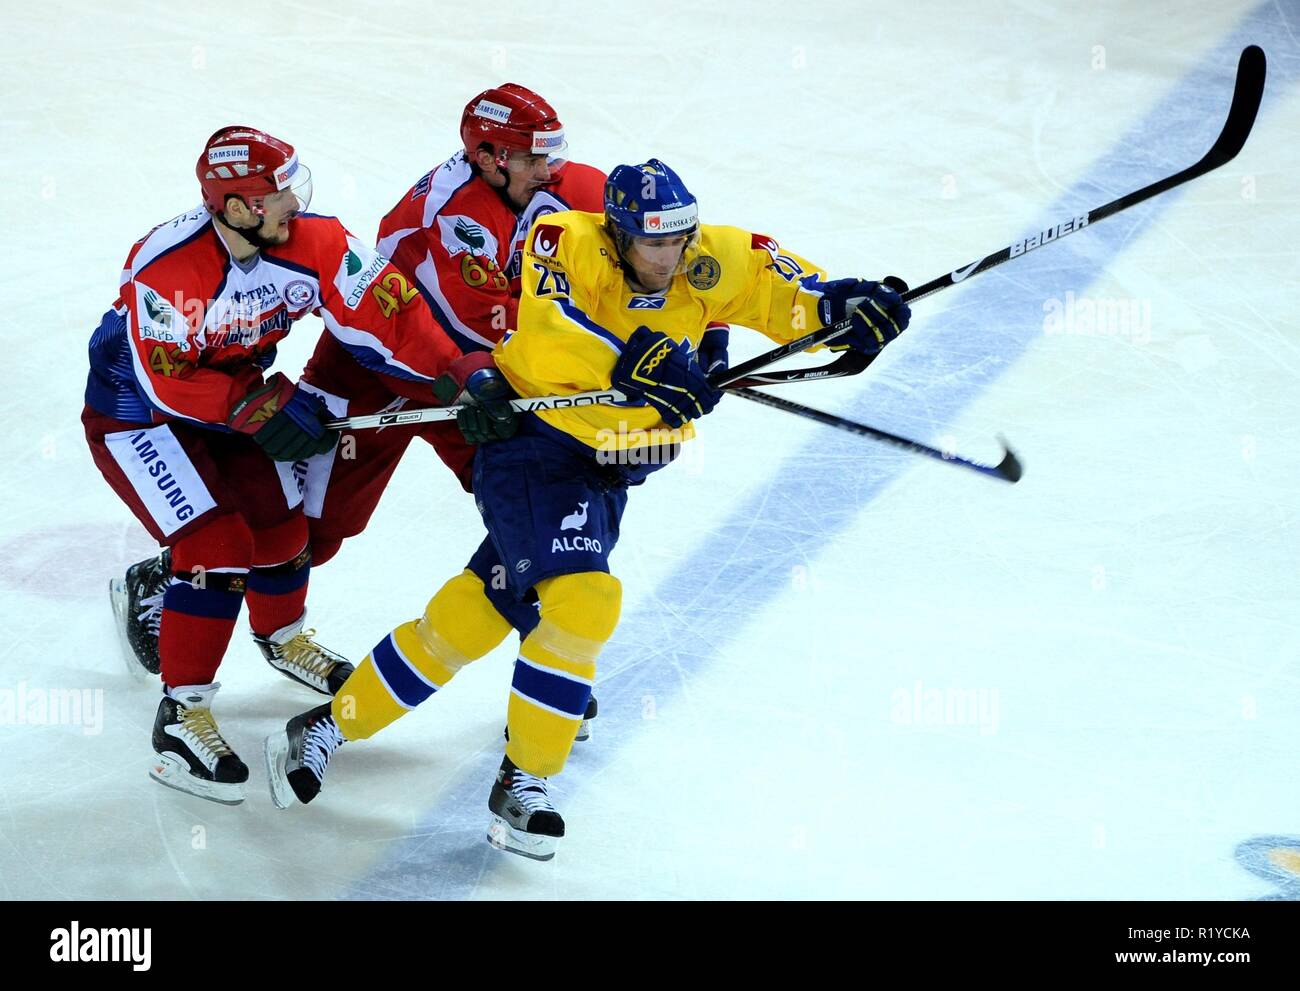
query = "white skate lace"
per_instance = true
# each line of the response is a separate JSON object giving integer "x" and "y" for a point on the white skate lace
{"x": 199, "y": 731}
{"x": 321, "y": 740}
{"x": 150, "y": 614}
{"x": 530, "y": 791}
{"x": 309, "y": 657}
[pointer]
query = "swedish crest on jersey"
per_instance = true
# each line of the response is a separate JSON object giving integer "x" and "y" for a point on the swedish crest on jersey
{"x": 704, "y": 272}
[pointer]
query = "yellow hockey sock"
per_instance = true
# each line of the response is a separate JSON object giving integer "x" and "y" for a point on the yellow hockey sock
{"x": 459, "y": 625}
{"x": 556, "y": 668}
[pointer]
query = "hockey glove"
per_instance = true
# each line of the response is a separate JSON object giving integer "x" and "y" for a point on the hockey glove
{"x": 878, "y": 313}
{"x": 287, "y": 421}
{"x": 656, "y": 369}
{"x": 474, "y": 381}
{"x": 712, "y": 352}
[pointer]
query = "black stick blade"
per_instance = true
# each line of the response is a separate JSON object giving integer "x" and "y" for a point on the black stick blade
{"x": 1009, "y": 467}
{"x": 1246, "y": 97}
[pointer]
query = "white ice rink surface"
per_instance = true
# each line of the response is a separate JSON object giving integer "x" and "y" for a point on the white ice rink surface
{"x": 842, "y": 671}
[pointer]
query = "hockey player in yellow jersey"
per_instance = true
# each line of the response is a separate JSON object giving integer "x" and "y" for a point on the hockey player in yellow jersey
{"x": 621, "y": 299}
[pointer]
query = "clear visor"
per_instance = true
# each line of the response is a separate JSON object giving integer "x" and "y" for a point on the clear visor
{"x": 659, "y": 259}
{"x": 292, "y": 200}
{"x": 542, "y": 167}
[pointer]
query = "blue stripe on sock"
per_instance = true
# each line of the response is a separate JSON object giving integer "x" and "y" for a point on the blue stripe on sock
{"x": 274, "y": 581}
{"x": 552, "y": 690}
{"x": 408, "y": 686}
{"x": 210, "y": 603}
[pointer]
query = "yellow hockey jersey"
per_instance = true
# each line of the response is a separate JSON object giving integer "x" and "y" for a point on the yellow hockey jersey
{"x": 577, "y": 312}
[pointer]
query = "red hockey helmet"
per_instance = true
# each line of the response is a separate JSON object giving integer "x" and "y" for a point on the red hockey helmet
{"x": 243, "y": 161}
{"x": 511, "y": 117}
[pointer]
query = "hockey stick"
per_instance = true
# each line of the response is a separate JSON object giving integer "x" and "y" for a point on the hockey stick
{"x": 1246, "y": 96}
{"x": 722, "y": 380}
{"x": 1008, "y": 469}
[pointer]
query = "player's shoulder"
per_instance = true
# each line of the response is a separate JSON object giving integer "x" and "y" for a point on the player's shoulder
{"x": 317, "y": 240}
{"x": 736, "y": 241}
{"x": 177, "y": 240}
{"x": 726, "y": 257}
{"x": 568, "y": 236}
{"x": 580, "y": 187}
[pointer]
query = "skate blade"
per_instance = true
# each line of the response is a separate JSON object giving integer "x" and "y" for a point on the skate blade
{"x": 277, "y": 752}
{"x": 505, "y": 837}
{"x": 174, "y": 774}
{"x": 119, "y": 600}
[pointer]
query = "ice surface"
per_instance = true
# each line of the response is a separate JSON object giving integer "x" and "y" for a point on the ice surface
{"x": 842, "y": 671}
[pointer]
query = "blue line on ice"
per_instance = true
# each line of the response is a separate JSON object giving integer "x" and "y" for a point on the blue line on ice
{"x": 750, "y": 556}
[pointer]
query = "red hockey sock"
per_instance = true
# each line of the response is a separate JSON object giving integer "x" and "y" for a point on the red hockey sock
{"x": 200, "y": 606}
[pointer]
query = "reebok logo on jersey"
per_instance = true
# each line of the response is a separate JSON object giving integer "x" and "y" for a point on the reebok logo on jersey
{"x": 647, "y": 302}
{"x": 546, "y": 239}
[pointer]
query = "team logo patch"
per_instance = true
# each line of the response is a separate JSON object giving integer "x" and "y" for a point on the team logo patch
{"x": 546, "y": 239}
{"x": 647, "y": 302}
{"x": 357, "y": 269}
{"x": 575, "y": 521}
{"x": 298, "y": 293}
{"x": 464, "y": 234}
{"x": 159, "y": 320}
{"x": 704, "y": 272}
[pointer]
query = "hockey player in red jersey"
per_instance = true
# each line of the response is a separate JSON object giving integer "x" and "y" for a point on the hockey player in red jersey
{"x": 199, "y": 442}
{"x": 457, "y": 236}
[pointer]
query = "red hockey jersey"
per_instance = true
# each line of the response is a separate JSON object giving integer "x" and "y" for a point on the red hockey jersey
{"x": 461, "y": 242}
{"x": 193, "y": 329}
